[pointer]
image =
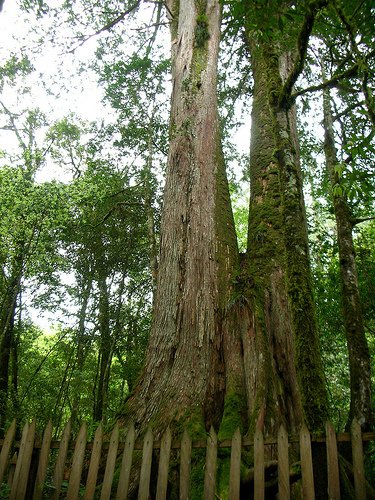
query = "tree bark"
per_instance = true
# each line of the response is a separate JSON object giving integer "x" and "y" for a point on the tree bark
{"x": 104, "y": 350}
{"x": 7, "y": 319}
{"x": 194, "y": 354}
{"x": 359, "y": 355}
{"x": 285, "y": 328}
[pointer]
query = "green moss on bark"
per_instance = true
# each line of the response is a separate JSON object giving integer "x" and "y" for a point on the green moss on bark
{"x": 233, "y": 417}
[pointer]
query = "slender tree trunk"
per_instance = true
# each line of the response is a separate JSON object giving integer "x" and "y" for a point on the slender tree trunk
{"x": 359, "y": 355}
{"x": 104, "y": 349}
{"x": 149, "y": 198}
{"x": 7, "y": 317}
{"x": 81, "y": 344}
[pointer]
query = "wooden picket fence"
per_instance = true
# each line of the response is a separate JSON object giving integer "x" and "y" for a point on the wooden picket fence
{"x": 24, "y": 464}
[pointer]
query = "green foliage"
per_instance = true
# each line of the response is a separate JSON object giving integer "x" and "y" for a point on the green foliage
{"x": 233, "y": 417}
{"x": 13, "y": 68}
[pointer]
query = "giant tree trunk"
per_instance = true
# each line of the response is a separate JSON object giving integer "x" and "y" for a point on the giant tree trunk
{"x": 289, "y": 380}
{"x": 194, "y": 354}
{"x": 359, "y": 355}
{"x": 215, "y": 346}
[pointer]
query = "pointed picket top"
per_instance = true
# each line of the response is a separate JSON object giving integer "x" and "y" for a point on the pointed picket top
{"x": 283, "y": 463}
{"x": 94, "y": 463}
{"x": 144, "y": 482}
{"x": 358, "y": 463}
{"x": 211, "y": 459}
{"x": 110, "y": 465}
{"x": 7, "y": 445}
{"x": 17, "y": 472}
{"x": 60, "y": 462}
{"x": 23, "y": 462}
{"x": 235, "y": 465}
{"x": 306, "y": 464}
{"x": 165, "y": 451}
{"x": 127, "y": 459}
{"x": 77, "y": 463}
{"x": 332, "y": 463}
{"x": 258, "y": 464}
{"x": 43, "y": 461}
{"x": 185, "y": 465}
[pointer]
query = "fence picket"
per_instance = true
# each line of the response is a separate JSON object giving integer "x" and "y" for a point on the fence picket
{"x": 332, "y": 463}
{"x": 306, "y": 464}
{"x": 144, "y": 482}
{"x": 283, "y": 464}
{"x": 185, "y": 461}
{"x": 211, "y": 459}
{"x": 127, "y": 459}
{"x": 110, "y": 465}
{"x": 235, "y": 466}
{"x": 358, "y": 463}
{"x": 43, "y": 462}
{"x": 60, "y": 462}
{"x": 77, "y": 463}
{"x": 13, "y": 491}
{"x": 258, "y": 465}
{"x": 94, "y": 463}
{"x": 23, "y": 469}
{"x": 165, "y": 451}
{"x": 23, "y": 475}
{"x": 4, "y": 455}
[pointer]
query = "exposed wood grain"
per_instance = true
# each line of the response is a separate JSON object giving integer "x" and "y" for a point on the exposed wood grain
{"x": 110, "y": 465}
{"x": 235, "y": 466}
{"x": 17, "y": 472}
{"x": 60, "y": 462}
{"x": 211, "y": 460}
{"x": 127, "y": 459}
{"x": 165, "y": 451}
{"x": 306, "y": 464}
{"x": 185, "y": 463}
{"x": 23, "y": 476}
{"x": 6, "y": 447}
{"x": 77, "y": 463}
{"x": 283, "y": 464}
{"x": 258, "y": 465}
{"x": 358, "y": 462}
{"x": 332, "y": 463}
{"x": 94, "y": 463}
{"x": 43, "y": 462}
{"x": 144, "y": 482}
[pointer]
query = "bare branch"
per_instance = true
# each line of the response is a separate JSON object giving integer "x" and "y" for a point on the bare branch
{"x": 302, "y": 44}
{"x": 109, "y": 25}
{"x": 359, "y": 220}
{"x": 348, "y": 110}
{"x": 332, "y": 82}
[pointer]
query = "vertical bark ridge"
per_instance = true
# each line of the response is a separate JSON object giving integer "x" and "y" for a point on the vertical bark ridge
{"x": 189, "y": 349}
{"x": 283, "y": 331}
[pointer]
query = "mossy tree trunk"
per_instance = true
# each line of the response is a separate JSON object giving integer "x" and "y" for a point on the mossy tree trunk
{"x": 285, "y": 337}
{"x": 359, "y": 355}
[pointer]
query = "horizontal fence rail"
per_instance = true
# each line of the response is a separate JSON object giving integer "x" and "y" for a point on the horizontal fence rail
{"x": 43, "y": 468}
